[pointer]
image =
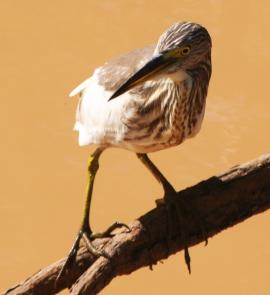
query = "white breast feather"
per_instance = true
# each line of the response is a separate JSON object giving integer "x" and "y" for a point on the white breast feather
{"x": 98, "y": 120}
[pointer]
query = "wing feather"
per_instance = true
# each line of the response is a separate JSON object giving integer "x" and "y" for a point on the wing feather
{"x": 115, "y": 72}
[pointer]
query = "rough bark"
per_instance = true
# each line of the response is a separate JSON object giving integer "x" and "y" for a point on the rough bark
{"x": 220, "y": 202}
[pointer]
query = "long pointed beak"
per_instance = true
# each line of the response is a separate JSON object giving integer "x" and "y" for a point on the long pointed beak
{"x": 151, "y": 68}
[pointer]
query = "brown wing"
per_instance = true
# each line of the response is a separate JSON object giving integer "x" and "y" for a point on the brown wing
{"x": 114, "y": 73}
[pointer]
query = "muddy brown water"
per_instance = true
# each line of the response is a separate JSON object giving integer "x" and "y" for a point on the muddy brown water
{"x": 49, "y": 48}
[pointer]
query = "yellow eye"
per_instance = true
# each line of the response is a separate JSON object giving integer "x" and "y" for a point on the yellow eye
{"x": 185, "y": 50}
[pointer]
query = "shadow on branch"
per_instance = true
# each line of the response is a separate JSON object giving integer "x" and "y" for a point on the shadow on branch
{"x": 220, "y": 201}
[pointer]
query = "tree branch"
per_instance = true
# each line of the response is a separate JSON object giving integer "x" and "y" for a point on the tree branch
{"x": 220, "y": 202}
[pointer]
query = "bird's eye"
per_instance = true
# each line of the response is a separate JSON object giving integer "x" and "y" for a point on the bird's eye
{"x": 186, "y": 50}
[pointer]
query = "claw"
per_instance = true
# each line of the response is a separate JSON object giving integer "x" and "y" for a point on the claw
{"x": 169, "y": 200}
{"x": 187, "y": 259}
{"x": 183, "y": 235}
{"x": 91, "y": 248}
{"x": 171, "y": 203}
{"x": 71, "y": 257}
{"x": 108, "y": 231}
{"x": 87, "y": 236}
{"x": 199, "y": 222}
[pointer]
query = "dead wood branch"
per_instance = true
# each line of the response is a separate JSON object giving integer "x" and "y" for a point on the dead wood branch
{"x": 221, "y": 201}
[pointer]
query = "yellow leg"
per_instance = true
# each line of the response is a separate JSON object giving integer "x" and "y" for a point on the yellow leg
{"x": 85, "y": 233}
{"x": 170, "y": 202}
{"x": 168, "y": 188}
{"x": 93, "y": 166}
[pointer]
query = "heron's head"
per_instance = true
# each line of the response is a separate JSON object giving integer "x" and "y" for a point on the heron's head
{"x": 182, "y": 47}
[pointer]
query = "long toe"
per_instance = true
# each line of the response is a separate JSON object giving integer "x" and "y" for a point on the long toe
{"x": 71, "y": 257}
{"x": 88, "y": 238}
{"x": 191, "y": 211}
{"x": 181, "y": 208}
{"x": 109, "y": 231}
{"x": 175, "y": 215}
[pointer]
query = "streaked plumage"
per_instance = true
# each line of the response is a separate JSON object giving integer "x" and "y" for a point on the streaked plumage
{"x": 157, "y": 114}
{"x": 147, "y": 100}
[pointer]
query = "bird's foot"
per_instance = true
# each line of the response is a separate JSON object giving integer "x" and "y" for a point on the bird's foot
{"x": 180, "y": 208}
{"x": 87, "y": 236}
{"x": 171, "y": 205}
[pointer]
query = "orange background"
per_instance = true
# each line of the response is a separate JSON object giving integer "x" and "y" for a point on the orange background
{"x": 47, "y": 48}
